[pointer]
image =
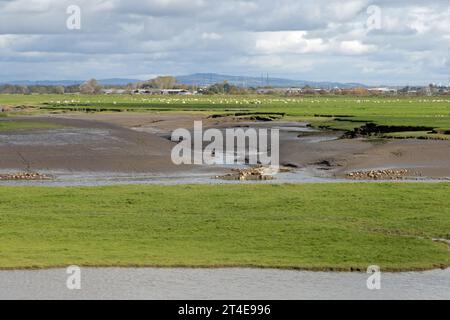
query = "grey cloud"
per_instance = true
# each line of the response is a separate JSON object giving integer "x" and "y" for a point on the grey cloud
{"x": 308, "y": 39}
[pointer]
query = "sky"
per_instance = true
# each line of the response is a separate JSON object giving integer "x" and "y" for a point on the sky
{"x": 392, "y": 42}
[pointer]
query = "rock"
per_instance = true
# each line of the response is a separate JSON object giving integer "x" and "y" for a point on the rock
{"x": 24, "y": 176}
{"x": 388, "y": 174}
{"x": 255, "y": 173}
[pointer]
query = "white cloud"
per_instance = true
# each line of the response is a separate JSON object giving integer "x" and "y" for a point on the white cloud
{"x": 6, "y": 40}
{"x": 288, "y": 42}
{"x": 355, "y": 47}
{"x": 211, "y": 36}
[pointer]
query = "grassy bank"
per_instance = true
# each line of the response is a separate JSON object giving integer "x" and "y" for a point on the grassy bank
{"x": 313, "y": 226}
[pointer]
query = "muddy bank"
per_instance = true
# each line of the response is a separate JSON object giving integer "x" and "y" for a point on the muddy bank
{"x": 371, "y": 129}
{"x": 138, "y": 143}
{"x": 428, "y": 159}
{"x": 85, "y": 145}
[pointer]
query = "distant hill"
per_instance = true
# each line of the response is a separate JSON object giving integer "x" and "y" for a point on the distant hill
{"x": 117, "y": 81}
{"x": 204, "y": 79}
{"x": 43, "y": 82}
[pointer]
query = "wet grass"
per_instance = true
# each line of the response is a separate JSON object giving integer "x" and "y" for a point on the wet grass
{"x": 313, "y": 226}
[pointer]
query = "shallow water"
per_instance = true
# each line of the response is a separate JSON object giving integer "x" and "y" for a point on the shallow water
{"x": 67, "y": 178}
{"x": 92, "y": 179}
{"x": 177, "y": 283}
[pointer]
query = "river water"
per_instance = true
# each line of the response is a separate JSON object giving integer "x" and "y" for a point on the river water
{"x": 232, "y": 283}
{"x": 65, "y": 178}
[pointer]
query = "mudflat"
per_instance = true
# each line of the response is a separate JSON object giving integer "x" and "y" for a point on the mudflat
{"x": 84, "y": 145}
{"x": 139, "y": 142}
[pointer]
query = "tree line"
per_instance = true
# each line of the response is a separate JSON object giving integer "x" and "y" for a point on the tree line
{"x": 92, "y": 86}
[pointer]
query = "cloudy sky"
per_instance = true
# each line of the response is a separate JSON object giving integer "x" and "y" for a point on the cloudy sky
{"x": 369, "y": 41}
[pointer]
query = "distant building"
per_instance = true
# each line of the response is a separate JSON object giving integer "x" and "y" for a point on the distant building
{"x": 163, "y": 91}
{"x": 293, "y": 90}
{"x": 287, "y": 91}
{"x": 383, "y": 90}
{"x": 175, "y": 92}
{"x": 114, "y": 91}
{"x": 147, "y": 91}
{"x": 320, "y": 90}
{"x": 336, "y": 90}
{"x": 443, "y": 90}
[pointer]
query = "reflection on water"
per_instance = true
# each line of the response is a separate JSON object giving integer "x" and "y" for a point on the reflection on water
{"x": 176, "y": 283}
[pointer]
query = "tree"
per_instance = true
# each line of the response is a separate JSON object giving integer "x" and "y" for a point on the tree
{"x": 165, "y": 82}
{"x": 59, "y": 90}
{"x": 90, "y": 87}
{"x": 360, "y": 91}
{"x": 224, "y": 88}
{"x": 14, "y": 89}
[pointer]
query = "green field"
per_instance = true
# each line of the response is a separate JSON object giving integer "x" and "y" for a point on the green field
{"x": 312, "y": 226}
{"x": 337, "y": 112}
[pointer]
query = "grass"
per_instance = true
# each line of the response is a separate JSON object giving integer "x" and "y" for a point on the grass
{"x": 25, "y": 125}
{"x": 417, "y": 135}
{"x": 336, "y": 112}
{"x": 313, "y": 226}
